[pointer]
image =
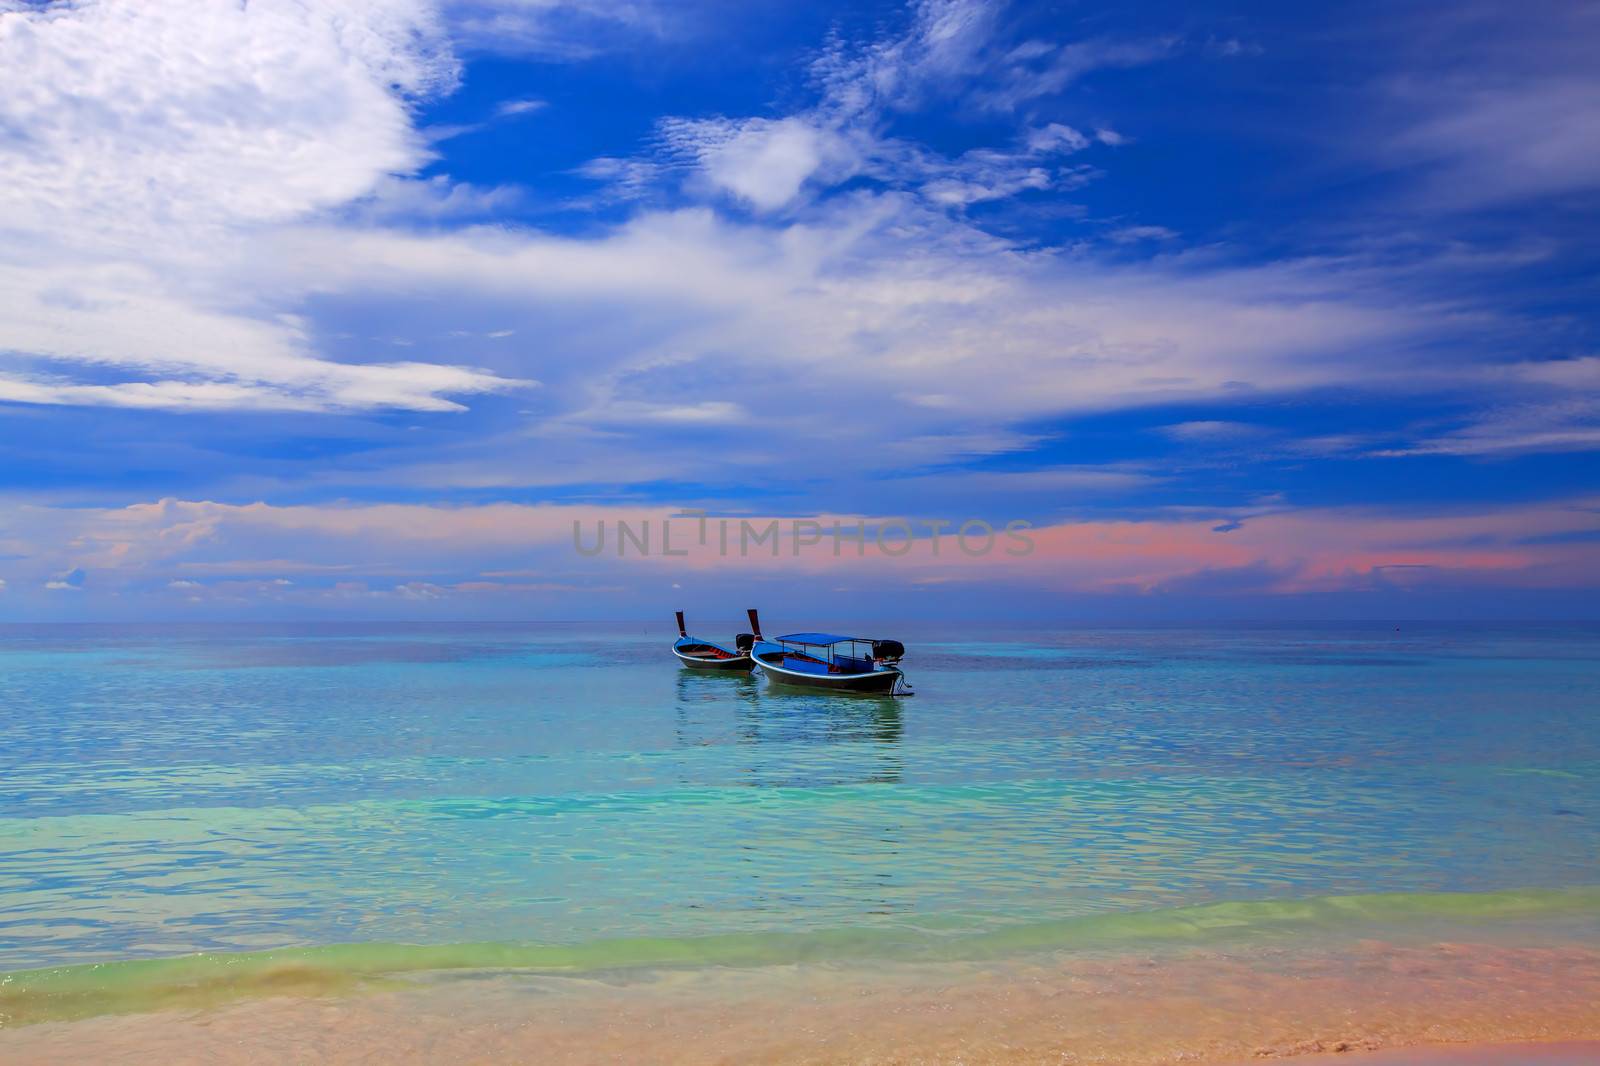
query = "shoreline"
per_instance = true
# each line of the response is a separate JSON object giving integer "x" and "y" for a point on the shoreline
{"x": 1525, "y": 917}
{"x": 1448, "y": 1003}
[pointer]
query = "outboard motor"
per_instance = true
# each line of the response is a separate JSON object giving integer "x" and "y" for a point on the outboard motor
{"x": 744, "y": 642}
{"x": 755, "y": 622}
{"x": 889, "y": 651}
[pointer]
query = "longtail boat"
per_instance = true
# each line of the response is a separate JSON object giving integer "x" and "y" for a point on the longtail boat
{"x": 700, "y": 654}
{"x": 831, "y": 662}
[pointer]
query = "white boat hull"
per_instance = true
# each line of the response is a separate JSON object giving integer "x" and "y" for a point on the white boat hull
{"x": 710, "y": 662}
{"x": 880, "y": 680}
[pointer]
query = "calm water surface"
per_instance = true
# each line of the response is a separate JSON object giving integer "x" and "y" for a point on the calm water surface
{"x": 166, "y": 790}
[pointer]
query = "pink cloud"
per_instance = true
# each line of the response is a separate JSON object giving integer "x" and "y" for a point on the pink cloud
{"x": 421, "y": 551}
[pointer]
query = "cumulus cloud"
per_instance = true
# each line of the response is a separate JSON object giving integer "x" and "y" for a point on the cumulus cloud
{"x": 147, "y": 150}
{"x": 187, "y": 113}
{"x": 762, "y": 162}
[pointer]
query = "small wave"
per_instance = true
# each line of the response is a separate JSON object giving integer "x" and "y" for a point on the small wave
{"x": 210, "y": 979}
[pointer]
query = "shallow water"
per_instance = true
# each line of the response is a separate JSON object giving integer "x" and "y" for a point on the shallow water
{"x": 501, "y": 791}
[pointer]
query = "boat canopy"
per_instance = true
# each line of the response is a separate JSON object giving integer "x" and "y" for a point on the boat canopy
{"x": 819, "y": 640}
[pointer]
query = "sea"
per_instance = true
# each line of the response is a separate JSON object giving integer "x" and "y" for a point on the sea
{"x": 556, "y": 823}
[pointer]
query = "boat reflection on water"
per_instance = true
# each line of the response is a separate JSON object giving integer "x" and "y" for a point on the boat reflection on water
{"x": 705, "y": 702}
{"x": 819, "y": 740}
{"x": 796, "y": 715}
{"x": 716, "y": 686}
{"x": 791, "y": 738}
{"x": 778, "y": 716}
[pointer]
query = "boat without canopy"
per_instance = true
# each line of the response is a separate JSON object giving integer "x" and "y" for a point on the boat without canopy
{"x": 700, "y": 654}
{"x": 831, "y": 662}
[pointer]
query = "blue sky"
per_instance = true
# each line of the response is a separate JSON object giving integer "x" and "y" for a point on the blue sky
{"x": 352, "y": 309}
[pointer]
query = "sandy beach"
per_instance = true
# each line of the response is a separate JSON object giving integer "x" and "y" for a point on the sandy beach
{"x": 1433, "y": 1005}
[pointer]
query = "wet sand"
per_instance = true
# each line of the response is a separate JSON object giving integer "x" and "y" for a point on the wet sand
{"x": 1553, "y": 1054}
{"x": 1374, "y": 1002}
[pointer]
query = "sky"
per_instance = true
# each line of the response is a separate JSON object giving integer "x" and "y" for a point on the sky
{"x": 379, "y": 308}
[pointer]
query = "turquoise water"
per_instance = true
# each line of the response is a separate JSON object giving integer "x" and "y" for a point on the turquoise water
{"x": 168, "y": 790}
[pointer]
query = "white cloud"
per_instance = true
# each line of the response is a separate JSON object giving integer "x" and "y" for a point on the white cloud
{"x": 624, "y": 179}
{"x": 560, "y": 30}
{"x": 188, "y": 113}
{"x": 996, "y": 184}
{"x": 1134, "y": 234}
{"x": 911, "y": 326}
{"x": 1056, "y": 137}
{"x": 177, "y": 274}
{"x": 436, "y": 197}
{"x": 509, "y": 108}
{"x": 922, "y": 338}
{"x": 942, "y": 47}
{"x": 1556, "y": 425}
{"x": 769, "y": 164}
{"x": 764, "y": 163}
{"x": 1550, "y": 405}
{"x": 1047, "y": 69}
{"x": 69, "y": 581}
{"x": 1501, "y": 106}
{"x": 155, "y": 147}
{"x": 1210, "y": 430}
{"x": 706, "y": 412}
{"x": 1492, "y": 144}
{"x": 177, "y": 154}
{"x": 1582, "y": 373}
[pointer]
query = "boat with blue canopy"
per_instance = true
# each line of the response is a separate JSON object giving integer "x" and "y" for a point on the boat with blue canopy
{"x": 832, "y": 661}
{"x": 698, "y": 654}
